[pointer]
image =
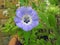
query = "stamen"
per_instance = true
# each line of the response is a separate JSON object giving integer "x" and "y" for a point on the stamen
{"x": 27, "y": 19}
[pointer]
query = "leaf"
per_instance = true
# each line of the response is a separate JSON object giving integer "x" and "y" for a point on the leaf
{"x": 42, "y": 42}
{"x": 34, "y": 5}
{"x": 54, "y": 2}
{"x": 58, "y": 41}
{"x": 44, "y": 19}
{"x": 52, "y": 20}
{"x": 51, "y": 36}
{"x": 20, "y": 32}
{"x": 22, "y": 2}
{"x": 48, "y": 43}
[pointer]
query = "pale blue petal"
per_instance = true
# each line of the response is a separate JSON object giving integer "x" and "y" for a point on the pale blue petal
{"x": 17, "y": 20}
{"x": 20, "y": 25}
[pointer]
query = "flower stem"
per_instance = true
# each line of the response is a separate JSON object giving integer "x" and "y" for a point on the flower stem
{"x": 26, "y": 36}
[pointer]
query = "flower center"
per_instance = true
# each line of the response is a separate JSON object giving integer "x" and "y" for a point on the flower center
{"x": 26, "y": 19}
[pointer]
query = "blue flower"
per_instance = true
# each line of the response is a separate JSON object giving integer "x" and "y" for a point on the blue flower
{"x": 26, "y": 18}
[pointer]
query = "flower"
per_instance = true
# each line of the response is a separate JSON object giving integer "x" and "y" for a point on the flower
{"x": 26, "y": 18}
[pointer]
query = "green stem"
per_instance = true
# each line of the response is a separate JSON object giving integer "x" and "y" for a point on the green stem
{"x": 26, "y": 36}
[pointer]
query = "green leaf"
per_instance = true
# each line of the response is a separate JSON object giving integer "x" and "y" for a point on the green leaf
{"x": 44, "y": 18}
{"x": 58, "y": 41}
{"x": 52, "y": 20}
{"x": 22, "y": 2}
{"x": 48, "y": 43}
{"x": 54, "y": 2}
{"x": 51, "y": 36}
{"x": 42, "y": 42}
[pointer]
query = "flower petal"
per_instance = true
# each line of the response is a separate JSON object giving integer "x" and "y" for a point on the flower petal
{"x": 20, "y": 25}
{"x": 27, "y": 27}
{"x": 29, "y": 10}
{"x": 17, "y": 20}
{"x": 34, "y": 23}
{"x": 21, "y": 11}
{"x": 34, "y": 15}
